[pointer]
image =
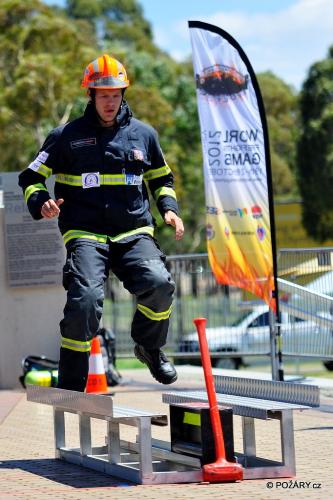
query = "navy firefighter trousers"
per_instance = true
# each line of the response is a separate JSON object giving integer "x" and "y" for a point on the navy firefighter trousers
{"x": 140, "y": 266}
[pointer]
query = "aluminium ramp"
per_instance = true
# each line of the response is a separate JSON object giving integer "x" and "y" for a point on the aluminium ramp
{"x": 145, "y": 461}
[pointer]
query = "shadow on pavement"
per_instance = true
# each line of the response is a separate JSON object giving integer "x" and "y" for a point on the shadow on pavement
{"x": 64, "y": 473}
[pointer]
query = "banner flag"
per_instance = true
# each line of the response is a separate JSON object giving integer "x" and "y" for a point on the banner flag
{"x": 238, "y": 184}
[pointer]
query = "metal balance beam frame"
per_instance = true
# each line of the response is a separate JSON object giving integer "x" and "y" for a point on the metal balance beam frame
{"x": 259, "y": 399}
{"x": 146, "y": 461}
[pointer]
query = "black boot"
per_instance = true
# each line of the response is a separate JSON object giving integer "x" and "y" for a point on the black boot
{"x": 73, "y": 370}
{"x": 159, "y": 365}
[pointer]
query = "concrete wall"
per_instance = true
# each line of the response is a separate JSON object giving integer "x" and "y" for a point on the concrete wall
{"x": 29, "y": 319}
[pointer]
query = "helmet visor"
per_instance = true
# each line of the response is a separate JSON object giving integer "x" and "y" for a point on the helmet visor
{"x": 108, "y": 82}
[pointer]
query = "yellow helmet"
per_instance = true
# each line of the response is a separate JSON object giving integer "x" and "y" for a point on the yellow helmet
{"x": 105, "y": 72}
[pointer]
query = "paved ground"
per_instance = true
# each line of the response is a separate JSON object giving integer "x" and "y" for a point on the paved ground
{"x": 29, "y": 471}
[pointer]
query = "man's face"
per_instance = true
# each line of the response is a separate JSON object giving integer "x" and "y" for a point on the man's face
{"x": 107, "y": 104}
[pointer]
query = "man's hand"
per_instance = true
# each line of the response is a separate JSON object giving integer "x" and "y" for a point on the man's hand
{"x": 51, "y": 208}
{"x": 173, "y": 220}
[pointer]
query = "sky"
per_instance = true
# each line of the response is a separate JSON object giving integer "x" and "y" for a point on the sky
{"x": 283, "y": 36}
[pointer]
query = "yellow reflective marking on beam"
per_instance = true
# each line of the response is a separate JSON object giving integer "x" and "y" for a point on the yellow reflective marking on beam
{"x": 192, "y": 418}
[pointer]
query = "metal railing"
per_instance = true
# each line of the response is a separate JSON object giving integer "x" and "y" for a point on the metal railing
{"x": 306, "y": 292}
{"x": 308, "y": 267}
{"x": 238, "y": 323}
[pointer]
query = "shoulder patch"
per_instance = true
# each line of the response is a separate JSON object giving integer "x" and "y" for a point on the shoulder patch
{"x": 41, "y": 158}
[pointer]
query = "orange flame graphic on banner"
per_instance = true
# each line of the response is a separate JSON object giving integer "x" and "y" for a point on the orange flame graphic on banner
{"x": 242, "y": 276}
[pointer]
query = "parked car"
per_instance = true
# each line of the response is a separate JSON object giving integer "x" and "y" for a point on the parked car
{"x": 250, "y": 334}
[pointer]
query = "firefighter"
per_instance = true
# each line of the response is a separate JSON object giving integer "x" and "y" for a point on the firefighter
{"x": 104, "y": 163}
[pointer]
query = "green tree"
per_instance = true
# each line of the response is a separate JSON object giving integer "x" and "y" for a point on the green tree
{"x": 281, "y": 107}
{"x": 41, "y": 58}
{"x": 315, "y": 150}
{"x": 120, "y": 22}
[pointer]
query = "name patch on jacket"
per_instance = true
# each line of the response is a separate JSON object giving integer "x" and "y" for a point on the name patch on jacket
{"x": 41, "y": 158}
{"x": 89, "y": 141}
{"x": 90, "y": 180}
{"x": 133, "y": 180}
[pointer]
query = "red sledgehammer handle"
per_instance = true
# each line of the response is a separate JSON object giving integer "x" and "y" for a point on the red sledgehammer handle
{"x": 200, "y": 323}
{"x": 221, "y": 470}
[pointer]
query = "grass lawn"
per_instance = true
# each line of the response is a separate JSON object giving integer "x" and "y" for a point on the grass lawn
{"x": 291, "y": 367}
{"x": 129, "y": 364}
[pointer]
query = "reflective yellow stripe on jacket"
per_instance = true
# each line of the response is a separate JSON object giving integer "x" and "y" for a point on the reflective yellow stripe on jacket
{"x": 32, "y": 189}
{"x": 105, "y": 180}
{"x": 165, "y": 191}
{"x": 155, "y": 173}
{"x": 71, "y": 180}
{"x": 103, "y": 238}
{"x": 44, "y": 170}
{"x": 112, "y": 179}
{"x": 74, "y": 234}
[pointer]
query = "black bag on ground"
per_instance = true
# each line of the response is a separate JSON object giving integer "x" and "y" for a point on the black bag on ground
{"x": 107, "y": 341}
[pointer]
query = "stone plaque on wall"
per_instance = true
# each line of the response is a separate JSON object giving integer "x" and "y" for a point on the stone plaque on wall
{"x": 34, "y": 249}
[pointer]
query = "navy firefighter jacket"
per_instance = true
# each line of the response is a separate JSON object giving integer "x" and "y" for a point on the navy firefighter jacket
{"x": 102, "y": 173}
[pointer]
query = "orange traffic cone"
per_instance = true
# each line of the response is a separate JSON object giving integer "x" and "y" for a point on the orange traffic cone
{"x": 96, "y": 377}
